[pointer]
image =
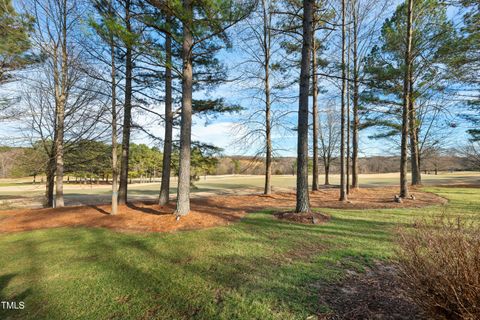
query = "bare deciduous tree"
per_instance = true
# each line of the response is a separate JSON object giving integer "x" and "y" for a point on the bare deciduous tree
{"x": 56, "y": 24}
{"x": 329, "y": 137}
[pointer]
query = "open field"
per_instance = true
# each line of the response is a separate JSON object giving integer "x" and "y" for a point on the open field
{"x": 25, "y": 194}
{"x": 257, "y": 268}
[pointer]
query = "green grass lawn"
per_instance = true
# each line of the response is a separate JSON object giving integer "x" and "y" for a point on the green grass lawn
{"x": 259, "y": 268}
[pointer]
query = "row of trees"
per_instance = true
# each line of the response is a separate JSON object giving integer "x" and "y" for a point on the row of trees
{"x": 90, "y": 163}
{"x": 88, "y": 160}
{"x": 102, "y": 67}
{"x": 90, "y": 65}
{"x": 411, "y": 61}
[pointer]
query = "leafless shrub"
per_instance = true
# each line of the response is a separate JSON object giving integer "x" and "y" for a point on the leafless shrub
{"x": 439, "y": 263}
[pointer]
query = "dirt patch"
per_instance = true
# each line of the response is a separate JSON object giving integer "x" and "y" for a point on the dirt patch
{"x": 206, "y": 211}
{"x": 375, "y": 294}
{"x": 305, "y": 218}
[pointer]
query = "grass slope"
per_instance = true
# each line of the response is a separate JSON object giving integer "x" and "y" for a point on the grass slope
{"x": 259, "y": 268}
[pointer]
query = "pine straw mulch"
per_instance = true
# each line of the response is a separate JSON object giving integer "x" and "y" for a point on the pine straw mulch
{"x": 206, "y": 212}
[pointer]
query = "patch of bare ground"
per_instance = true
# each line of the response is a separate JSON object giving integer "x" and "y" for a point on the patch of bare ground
{"x": 305, "y": 218}
{"x": 206, "y": 211}
{"x": 374, "y": 294}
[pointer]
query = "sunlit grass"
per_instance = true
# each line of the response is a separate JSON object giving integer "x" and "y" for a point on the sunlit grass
{"x": 259, "y": 268}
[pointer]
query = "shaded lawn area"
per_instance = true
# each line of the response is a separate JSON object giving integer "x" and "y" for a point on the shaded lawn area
{"x": 259, "y": 268}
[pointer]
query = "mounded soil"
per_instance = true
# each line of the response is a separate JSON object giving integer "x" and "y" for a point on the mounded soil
{"x": 206, "y": 212}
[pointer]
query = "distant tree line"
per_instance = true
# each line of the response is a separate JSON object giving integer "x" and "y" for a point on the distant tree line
{"x": 89, "y": 162}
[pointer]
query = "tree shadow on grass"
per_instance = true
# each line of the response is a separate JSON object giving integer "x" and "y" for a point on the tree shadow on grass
{"x": 32, "y": 274}
{"x": 202, "y": 274}
{"x": 246, "y": 274}
{"x": 15, "y": 310}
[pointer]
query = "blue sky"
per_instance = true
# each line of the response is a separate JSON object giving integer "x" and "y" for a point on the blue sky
{"x": 219, "y": 131}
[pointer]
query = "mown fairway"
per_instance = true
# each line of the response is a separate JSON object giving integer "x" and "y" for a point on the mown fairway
{"x": 19, "y": 192}
{"x": 259, "y": 268}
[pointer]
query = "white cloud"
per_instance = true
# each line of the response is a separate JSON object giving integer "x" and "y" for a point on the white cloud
{"x": 218, "y": 134}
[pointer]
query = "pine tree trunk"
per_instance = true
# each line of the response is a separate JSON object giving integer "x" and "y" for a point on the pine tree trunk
{"x": 414, "y": 152}
{"x": 114, "y": 130}
{"x": 127, "y": 115}
{"x": 406, "y": 107}
{"x": 343, "y": 186}
{"x": 356, "y": 120}
{"x": 167, "y": 144}
{"x": 347, "y": 140}
{"x": 315, "y": 183}
{"x": 303, "y": 200}
{"x": 183, "y": 190}
{"x": 268, "y": 138}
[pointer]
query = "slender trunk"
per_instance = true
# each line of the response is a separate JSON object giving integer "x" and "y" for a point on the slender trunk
{"x": 414, "y": 153}
{"x": 268, "y": 138}
{"x": 114, "y": 130}
{"x": 347, "y": 140}
{"x": 50, "y": 179}
{"x": 167, "y": 144}
{"x": 303, "y": 200}
{"x": 59, "y": 202}
{"x": 343, "y": 187}
{"x": 183, "y": 190}
{"x": 356, "y": 120}
{"x": 268, "y": 156}
{"x": 315, "y": 183}
{"x": 406, "y": 107}
{"x": 327, "y": 173}
{"x": 127, "y": 114}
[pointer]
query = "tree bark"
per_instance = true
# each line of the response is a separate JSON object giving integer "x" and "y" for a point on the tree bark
{"x": 414, "y": 152}
{"x": 50, "y": 181}
{"x": 114, "y": 130}
{"x": 167, "y": 144}
{"x": 183, "y": 190}
{"x": 347, "y": 140}
{"x": 406, "y": 102}
{"x": 343, "y": 187}
{"x": 268, "y": 138}
{"x": 60, "y": 82}
{"x": 315, "y": 183}
{"x": 302, "y": 197}
{"x": 356, "y": 120}
{"x": 127, "y": 114}
{"x": 59, "y": 202}
{"x": 327, "y": 173}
